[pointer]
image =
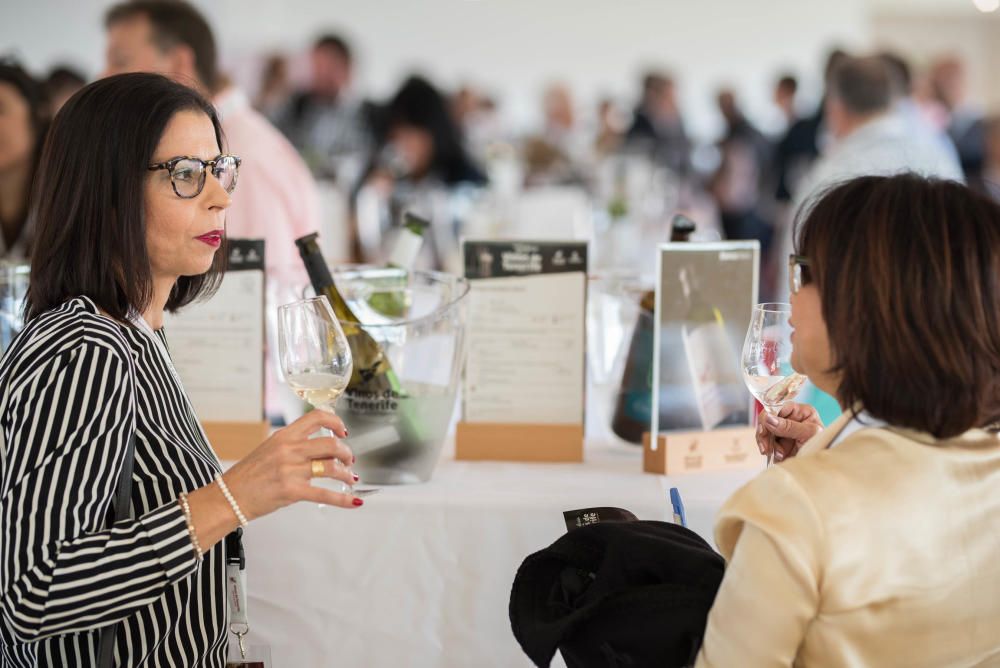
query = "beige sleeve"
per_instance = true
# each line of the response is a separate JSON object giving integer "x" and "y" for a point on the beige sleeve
{"x": 772, "y": 538}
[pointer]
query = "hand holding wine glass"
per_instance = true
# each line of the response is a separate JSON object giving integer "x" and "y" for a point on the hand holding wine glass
{"x": 766, "y": 360}
{"x": 315, "y": 358}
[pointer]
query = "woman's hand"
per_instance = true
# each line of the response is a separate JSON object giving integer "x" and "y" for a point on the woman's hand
{"x": 785, "y": 434}
{"x": 278, "y": 472}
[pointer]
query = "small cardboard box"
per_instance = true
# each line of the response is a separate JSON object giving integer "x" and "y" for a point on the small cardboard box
{"x": 699, "y": 451}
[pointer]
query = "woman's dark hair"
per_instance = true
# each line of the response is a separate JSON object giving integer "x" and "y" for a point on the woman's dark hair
{"x": 89, "y": 197}
{"x": 417, "y": 103}
{"x": 908, "y": 272}
{"x": 33, "y": 93}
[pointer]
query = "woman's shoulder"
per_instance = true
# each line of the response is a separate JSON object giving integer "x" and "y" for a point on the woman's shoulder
{"x": 74, "y": 325}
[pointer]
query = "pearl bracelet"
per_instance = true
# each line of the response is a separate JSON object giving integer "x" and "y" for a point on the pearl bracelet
{"x": 232, "y": 502}
{"x": 186, "y": 507}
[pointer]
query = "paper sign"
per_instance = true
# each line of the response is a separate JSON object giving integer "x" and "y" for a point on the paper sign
{"x": 217, "y": 346}
{"x": 526, "y": 332}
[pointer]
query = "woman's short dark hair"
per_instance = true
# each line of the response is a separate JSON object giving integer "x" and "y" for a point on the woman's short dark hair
{"x": 908, "y": 272}
{"x": 89, "y": 202}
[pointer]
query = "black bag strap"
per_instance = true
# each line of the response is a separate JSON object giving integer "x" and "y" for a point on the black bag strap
{"x": 106, "y": 645}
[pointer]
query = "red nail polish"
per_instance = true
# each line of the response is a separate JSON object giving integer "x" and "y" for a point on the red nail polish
{"x": 356, "y": 477}
{"x": 357, "y": 502}
{"x": 346, "y": 433}
{"x": 353, "y": 459}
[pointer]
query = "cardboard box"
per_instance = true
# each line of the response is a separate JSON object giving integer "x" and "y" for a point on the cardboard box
{"x": 699, "y": 451}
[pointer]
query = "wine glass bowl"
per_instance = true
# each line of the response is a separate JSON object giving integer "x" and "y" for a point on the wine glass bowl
{"x": 767, "y": 358}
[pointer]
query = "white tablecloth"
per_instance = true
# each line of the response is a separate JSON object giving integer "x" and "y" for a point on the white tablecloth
{"x": 421, "y": 575}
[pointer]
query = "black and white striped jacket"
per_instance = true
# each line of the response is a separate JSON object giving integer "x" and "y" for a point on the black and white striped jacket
{"x": 73, "y": 387}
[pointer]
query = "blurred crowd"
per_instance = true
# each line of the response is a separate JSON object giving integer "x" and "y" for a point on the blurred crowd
{"x": 450, "y": 155}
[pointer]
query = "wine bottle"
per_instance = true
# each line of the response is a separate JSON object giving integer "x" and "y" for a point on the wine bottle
{"x": 372, "y": 372}
{"x": 632, "y": 416}
{"x": 391, "y": 297}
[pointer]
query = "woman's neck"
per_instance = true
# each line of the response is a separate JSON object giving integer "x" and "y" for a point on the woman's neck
{"x": 153, "y": 315}
{"x": 14, "y": 198}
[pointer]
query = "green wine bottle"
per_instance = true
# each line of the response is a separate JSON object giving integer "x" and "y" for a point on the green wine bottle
{"x": 391, "y": 297}
{"x": 372, "y": 372}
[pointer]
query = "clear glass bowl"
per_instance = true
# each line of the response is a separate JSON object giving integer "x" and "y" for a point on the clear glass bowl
{"x": 418, "y": 318}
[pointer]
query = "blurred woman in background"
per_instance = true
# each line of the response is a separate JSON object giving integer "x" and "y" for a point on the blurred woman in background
{"x": 23, "y": 122}
{"x": 418, "y": 161}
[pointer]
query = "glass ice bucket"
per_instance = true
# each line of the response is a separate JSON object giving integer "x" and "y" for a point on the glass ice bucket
{"x": 418, "y": 318}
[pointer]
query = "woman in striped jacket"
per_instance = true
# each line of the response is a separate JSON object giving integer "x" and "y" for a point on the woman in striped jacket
{"x": 130, "y": 207}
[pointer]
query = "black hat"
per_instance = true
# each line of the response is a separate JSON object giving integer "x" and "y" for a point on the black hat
{"x": 616, "y": 594}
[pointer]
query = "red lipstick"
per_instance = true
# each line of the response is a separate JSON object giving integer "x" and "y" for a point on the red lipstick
{"x": 213, "y": 238}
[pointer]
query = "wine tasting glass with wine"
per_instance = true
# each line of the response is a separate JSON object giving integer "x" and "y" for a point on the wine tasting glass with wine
{"x": 315, "y": 358}
{"x": 766, "y": 361}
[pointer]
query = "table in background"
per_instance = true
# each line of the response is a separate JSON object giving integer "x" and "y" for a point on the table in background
{"x": 421, "y": 575}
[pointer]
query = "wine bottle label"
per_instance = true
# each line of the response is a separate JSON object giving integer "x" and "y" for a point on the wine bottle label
{"x": 711, "y": 360}
{"x": 406, "y": 250}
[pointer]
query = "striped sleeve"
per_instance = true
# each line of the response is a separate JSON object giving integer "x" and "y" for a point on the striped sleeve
{"x": 66, "y": 428}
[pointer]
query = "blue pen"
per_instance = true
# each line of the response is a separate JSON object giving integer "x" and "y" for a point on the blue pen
{"x": 675, "y": 501}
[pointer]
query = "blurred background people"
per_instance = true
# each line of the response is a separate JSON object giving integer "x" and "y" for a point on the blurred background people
{"x": 23, "y": 123}
{"x": 738, "y": 186}
{"x": 988, "y": 179}
{"x": 657, "y": 126}
{"x": 867, "y": 138}
{"x": 800, "y": 146}
{"x": 558, "y": 152}
{"x": 324, "y": 123}
{"x": 275, "y": 86}
{"x": 965, "y": 122}
{"x": 417, "y": 160}
{"x": 784, "y": 98}
{"x": 610, "y": 128}
{"x": 278, "y": 199}
{"x": 60, "y": 85}
{"x": 906, "y": 107}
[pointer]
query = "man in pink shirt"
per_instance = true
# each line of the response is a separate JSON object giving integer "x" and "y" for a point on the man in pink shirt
{"x": 278, "y": 199}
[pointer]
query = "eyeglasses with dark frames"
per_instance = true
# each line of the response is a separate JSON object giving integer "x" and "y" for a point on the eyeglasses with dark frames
{"x": 188, "y": 173}
{"x": 799, "y": 273}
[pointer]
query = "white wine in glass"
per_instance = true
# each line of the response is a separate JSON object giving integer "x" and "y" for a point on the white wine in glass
{"x": 315, "y": 359}
{"x": 766, "y": 360}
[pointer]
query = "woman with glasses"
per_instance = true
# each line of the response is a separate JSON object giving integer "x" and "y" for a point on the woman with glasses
{"x": 876, "y": 544}
{"x": 131, "y": 203}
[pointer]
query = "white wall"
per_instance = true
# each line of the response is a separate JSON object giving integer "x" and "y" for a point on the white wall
{"x": 513, "y": 46}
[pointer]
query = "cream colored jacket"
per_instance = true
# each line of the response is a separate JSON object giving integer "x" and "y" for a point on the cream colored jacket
{"x": 882, "y": 551}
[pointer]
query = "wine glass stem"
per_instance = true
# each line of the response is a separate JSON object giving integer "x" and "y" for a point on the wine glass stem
{"x": 328, "y": 433}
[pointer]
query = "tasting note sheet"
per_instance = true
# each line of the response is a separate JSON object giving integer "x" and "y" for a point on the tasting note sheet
{"x": 217, "y": 346}
{"x": 526, "y": 332}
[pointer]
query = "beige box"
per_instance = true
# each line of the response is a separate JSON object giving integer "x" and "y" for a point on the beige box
{"x": 519, "y": 442}
{"x": 697, "y": 451}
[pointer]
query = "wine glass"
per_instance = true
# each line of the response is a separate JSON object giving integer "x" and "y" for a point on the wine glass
{"x": 766, "y": 360}
{"x": 315, "y": 359}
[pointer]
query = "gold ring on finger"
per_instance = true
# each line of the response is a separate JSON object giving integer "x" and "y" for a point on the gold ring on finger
{"x": 318, "y": 469}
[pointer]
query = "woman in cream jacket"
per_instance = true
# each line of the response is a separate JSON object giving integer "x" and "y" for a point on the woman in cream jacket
{"x": 877, "y": 541}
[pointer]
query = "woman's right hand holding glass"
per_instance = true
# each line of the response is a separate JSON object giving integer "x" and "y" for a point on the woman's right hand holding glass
{"x": 784, "y": 434}
{"x": 280, "y": 470}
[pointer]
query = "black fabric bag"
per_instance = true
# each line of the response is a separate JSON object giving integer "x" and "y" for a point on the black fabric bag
{"x": 616, "y": 594}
